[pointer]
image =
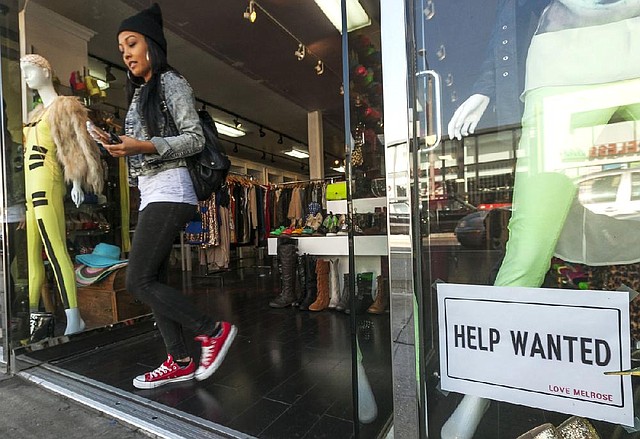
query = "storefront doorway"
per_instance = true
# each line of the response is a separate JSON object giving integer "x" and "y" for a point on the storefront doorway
{"x": 291, "y": 373}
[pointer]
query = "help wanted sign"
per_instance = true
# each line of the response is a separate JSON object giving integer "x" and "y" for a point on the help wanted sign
{"x": 545, "y": 348}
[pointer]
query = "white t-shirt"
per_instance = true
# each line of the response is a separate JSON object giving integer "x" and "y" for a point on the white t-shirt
{"x": 172, "y": 185}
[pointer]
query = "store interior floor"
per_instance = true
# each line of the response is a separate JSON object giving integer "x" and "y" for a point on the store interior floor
{"x": 287, "y": 375}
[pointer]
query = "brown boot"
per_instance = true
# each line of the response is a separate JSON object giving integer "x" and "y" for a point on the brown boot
{"x": 322, "y": 273}
{"x": 380, "y": 305}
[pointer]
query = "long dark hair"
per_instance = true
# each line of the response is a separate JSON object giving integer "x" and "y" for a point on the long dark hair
{"x": 149, "y": 100}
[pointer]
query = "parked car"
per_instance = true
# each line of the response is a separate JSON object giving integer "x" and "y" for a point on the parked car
{"x": 614, "y": 193}
{"x": 445, "y": 212}
{"x": 471, "y": 231}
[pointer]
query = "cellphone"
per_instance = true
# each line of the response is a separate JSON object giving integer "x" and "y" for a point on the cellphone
{"x": 113, "y": 138}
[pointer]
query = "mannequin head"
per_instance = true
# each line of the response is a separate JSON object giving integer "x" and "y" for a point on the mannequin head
{"x": 36, "y": 71}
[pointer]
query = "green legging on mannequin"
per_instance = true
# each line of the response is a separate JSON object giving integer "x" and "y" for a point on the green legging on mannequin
{"x": 45, "y": 219}
{"x": 542, "y": 198}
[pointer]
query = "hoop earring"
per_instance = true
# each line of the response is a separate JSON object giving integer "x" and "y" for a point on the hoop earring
{"x": 133, "y": 80}
{"x": 147, "y": 55}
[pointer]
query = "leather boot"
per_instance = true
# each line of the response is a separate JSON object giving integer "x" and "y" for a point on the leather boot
{"x": 381, "y": 303}
{"x": 334, "y": 282}
{"x": 345, "y": 296}
{"x": 301, "y": 280}
{"x": 312, "y": 287}
{"x": 322, "y": 281}
{"x": 287, "y": 253}
{"x": 41, "y": 325}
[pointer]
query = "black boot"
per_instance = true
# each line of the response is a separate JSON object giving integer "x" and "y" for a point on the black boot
{"x": 287, "y": 255}
{"x": 345, "y": 296}
{"x": 41, "y": 325}
{"x": 311, "y": 281}
{"x": 364, "y": 288}
{"x": 301, "y": 281}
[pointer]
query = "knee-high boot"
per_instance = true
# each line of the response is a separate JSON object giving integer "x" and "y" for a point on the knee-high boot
{"x": 287, "y": 255}
{"x": 322, "y": 274}
{"x": 345, "y": 296}
{"x": 301, "y": 279}
{"x": 312, "y": 287}
{"x": 334, "y": 283}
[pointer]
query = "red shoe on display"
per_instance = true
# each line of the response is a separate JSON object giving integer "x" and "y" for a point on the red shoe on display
{"x": 214, "y": 350}
{"x": 167, "y": 372}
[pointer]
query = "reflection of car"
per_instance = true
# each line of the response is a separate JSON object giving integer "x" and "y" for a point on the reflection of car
{"x": 615, "y": 193}
{"x": 445, "y": 212}
{"x": 471, "y": 231}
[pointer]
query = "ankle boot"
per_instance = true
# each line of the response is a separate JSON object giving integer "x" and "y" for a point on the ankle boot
{"x": 287, "y": 253}
{"x": 301, "y": 280}
{"x": 381, "y": 303}
{"x": 41, "y": 325}
{"x": 334, "y": 282}
{"x": 312, "y": 287}
{"x": 345, "y": 296}
{"x": 322, "y": 281}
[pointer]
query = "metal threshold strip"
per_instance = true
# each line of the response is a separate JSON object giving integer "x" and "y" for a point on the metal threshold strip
{"x": 149, "y": 416}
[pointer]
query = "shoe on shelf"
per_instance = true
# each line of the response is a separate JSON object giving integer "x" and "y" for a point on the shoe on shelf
{"x": 332, "y": 230}
{"x": 214, "y": 349}
{"x": 278, "y": 231}
{"x": 167, "y": 372}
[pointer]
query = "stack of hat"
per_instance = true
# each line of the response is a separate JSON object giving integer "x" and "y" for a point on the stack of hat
{"x": 95, "y": 266}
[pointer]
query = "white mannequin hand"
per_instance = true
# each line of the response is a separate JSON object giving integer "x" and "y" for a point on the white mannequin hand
{"x": 466, "y": 117}
{"x": 77, "y": 194}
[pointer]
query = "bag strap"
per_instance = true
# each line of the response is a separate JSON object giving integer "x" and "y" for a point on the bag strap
{"x": 169, "y": 128}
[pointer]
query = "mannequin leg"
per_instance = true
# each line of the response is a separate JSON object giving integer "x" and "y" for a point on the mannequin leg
{"x": 34, "y": 259}
{"x": 49, "y": 216}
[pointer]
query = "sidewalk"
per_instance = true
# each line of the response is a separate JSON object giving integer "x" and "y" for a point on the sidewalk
{"x": 29, "y": 411}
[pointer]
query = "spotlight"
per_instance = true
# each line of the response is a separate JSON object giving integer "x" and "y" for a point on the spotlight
{"x": 262, "y": 133}
{"x": 272, "y": 159}
{"x": 264, "y": 155}
{"x": 280, "y": 141}
{"x": 237, "y": 122}
{"x": 319, "y": 68}
{"x": 301, "y": 52}
{"x": 204, "y": 107}
{"x": 302, "y": 166}
{"x": 250, "y": 13}
{"x": 235, "y": 147}
{"x": 108, "y": 76}
{"x": 336, "y": 162}
{"x": 117, "y": 114}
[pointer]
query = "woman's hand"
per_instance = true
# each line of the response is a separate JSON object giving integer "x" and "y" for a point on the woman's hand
{"x": 130, "y": 146}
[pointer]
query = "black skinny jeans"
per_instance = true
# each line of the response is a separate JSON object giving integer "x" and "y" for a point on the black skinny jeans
{"x": 158, "y": 225}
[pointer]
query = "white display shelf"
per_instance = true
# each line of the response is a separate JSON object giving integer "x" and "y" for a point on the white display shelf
{"x": 360, "y": 205}
{"x": 367, "y": 245}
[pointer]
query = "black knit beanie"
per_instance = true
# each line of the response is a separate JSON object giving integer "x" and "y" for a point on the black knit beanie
{"x": 147, "y": 22}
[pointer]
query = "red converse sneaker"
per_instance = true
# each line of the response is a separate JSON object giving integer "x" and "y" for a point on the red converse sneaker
{"x": 168, "y": 372}
{"x": 214, "y": 350}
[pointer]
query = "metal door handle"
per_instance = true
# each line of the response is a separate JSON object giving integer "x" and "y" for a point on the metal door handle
{"x": 437, "y": 104}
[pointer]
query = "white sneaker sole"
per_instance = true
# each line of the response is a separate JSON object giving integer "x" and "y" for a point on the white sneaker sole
{"x": 206, "y": 373}
{"x": 139, "y": 384}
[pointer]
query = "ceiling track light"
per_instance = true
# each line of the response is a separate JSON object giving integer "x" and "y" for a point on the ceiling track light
{"x": 204, "y": 107}
{"x": 319, "y": 68}
{"x": 237, "y": 123}
{"x": 280, "y": 141}
{"x": 108, "y": 76}
{"x": 264, "y": 155}
{"x": 302, "y": 166}
{"x": 235, "y": 147}
{"x": 301, "y": 52}
{"x": 250, "y": 13}
{"x": 261, "y": 132}
{"x": 272, "y": 159}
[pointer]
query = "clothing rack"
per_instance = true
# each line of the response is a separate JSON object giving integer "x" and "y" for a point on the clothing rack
{"x": 308, "y": 181}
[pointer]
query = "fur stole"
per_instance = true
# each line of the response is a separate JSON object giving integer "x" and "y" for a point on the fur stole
{"x": 76, "y": 151}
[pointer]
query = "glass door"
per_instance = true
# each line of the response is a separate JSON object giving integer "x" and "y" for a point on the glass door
{"x": 512, "y": 157}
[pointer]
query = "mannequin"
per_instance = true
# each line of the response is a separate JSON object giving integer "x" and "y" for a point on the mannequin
{"x": 58, "y": 150}
{"x": 569, "y": 33}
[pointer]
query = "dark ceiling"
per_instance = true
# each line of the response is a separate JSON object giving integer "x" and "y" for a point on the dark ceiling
{"x": 246, "y": 68}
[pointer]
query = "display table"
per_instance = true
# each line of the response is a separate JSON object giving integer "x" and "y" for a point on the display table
{"x": 368, "y": 249}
